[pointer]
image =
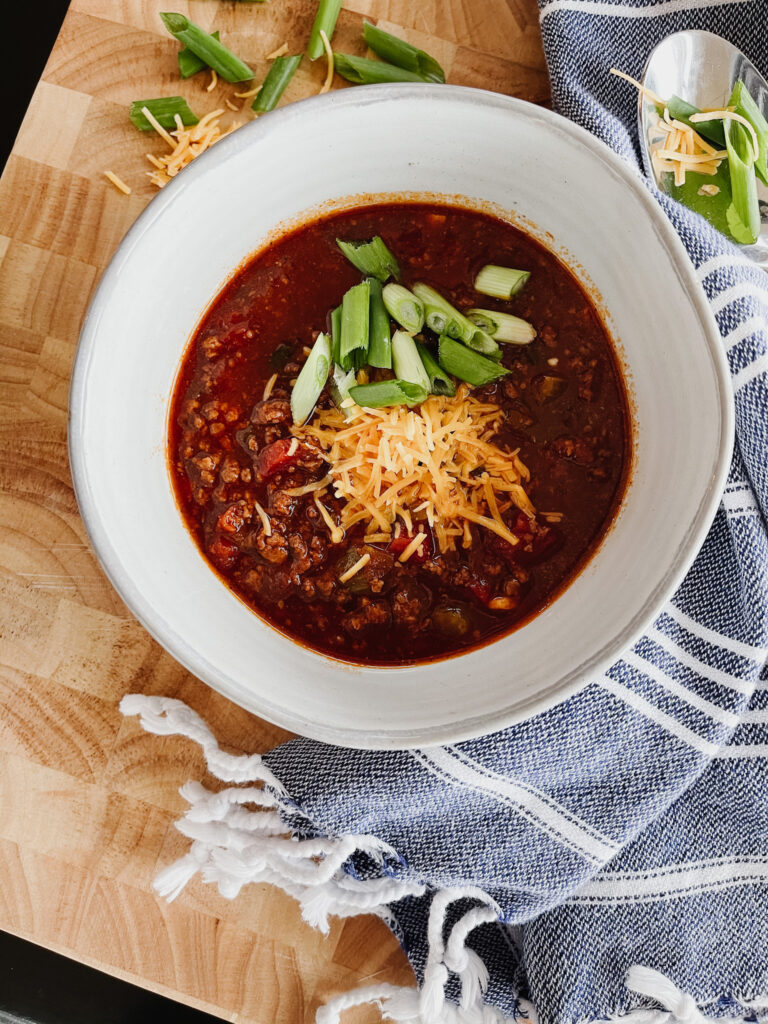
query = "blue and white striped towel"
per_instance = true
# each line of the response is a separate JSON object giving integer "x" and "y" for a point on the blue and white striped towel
{"x": 620, "y": 834}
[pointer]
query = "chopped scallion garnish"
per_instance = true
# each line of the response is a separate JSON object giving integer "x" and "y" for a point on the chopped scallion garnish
{"x": 372, "y": 258}
{"x": 742, "y": 102}
{"x": 744, "y": 212}
{"x": 339, "y": 384}
{"x": 503, "y": 326}
{"x": 500, "y": 282}
{"x": 402, "y": 54}
{"x": 355, "y": 314}
{"x": 379, "y": 342}
{"x": 441, "y": 316}
{"x": 439, "y": 381}
{"x": 311, "y": 380}
{"x": 274, "y": 85}
{"x": 325, "y": 21}
{"x": 164, "y": 110}
{"x": 469, "y": 366}
{"x": 207, "y": 48}
{"x": 388, "y": 392}
{"x": 336, "y": 333}
{"x": 189, "y": 63}
{"x": 407, "y": 361}
{"x": 404, "y": 307}
{"x": 363, "y": 71}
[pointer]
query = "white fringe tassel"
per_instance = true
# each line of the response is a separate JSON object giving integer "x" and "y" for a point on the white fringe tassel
{"x": 239, "y": 836}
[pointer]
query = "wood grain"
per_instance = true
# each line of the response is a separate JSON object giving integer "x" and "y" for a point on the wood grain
{"x": 87, "y": 800}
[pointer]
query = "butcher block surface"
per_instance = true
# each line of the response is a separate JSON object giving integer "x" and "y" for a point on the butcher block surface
{"x": 87, "y": 800}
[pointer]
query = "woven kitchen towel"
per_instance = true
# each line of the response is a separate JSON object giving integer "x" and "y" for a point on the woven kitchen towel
{"x": 608, "y": 858}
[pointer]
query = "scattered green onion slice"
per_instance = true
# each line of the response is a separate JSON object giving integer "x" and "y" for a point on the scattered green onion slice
{"x": 311, "y": 380}
{"x": 388, "y": 392}
{"x": 440, "y": 315}
{"x": 743, "y": 103}
{"x": 484, "y": 344}
{"x": 439, "y": 381}
{"x": 339, "y": 384}
{"x": 744, "y": 212}
{"x": 325, "y": 21}
{"x": 208, "y": 49}
{"x": 189, "y": 62}
{"x": 363, "y": 71}
{"x": 274, "y": 85}
{"x": 503, "y": 326}
{"x": 404, "y": 307}
{"x": 355, "y": 314}
{"x": 336, "y": 333}
{"x": 379, "y": 341}
{"x": 407, "y": 361}
{"x": 469, "y": 366}
{"x": 372, "y": 258}
{"x": 500, "y": 282}
{"x": 163, "y": 110}
{"x": 402, "y": 54}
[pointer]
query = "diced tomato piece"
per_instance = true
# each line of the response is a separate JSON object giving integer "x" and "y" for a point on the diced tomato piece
{"x": 285, "y": 453}
{"x": 232, "y": 519}
{"x": 537, "y": 541}
{"x": 223, "y": 552}
{"x": 423, "y": 554}
{"x": 479, "y": 588}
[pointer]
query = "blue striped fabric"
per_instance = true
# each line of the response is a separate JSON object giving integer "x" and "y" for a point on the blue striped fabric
{"x": 629, "y": 825}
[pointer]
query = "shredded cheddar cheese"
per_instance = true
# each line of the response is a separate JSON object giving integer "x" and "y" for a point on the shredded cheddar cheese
{"x": 185, "y": 143}
{"x": 326, "y": 86}
{"x": 354, "y": 569}
{"x": 268, "y": 387}
{"x": 279, "y": 52}
{"x": 213, "y": 82}
{"x": 398, "y": 468}
{"x": 118, "y": 182}
{"x": 265, "y": 520}
{"x": 676, "y": 147}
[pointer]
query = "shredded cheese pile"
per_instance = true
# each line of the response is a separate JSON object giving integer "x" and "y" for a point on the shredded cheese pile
{"x": 398, "y": 468}
{"x": 185, "y": 143}
{"x": 676, "y": 147}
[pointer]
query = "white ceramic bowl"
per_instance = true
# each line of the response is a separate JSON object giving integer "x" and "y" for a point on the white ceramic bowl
{"x": 468, "y": 146}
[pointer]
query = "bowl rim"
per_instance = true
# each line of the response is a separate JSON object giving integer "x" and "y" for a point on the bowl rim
{"x": 467, "y": 727}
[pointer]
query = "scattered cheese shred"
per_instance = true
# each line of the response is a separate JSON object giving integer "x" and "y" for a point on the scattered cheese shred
{"x": 293, "y": 446}
{"x": 268, "y": 387}
{"x": 213, "y": 82}
{"x": 186, "y": 144}
{"x": 648, "y": 93}
{"x": 118, "y": 182}
{"x": 326, "y": 86}
{"x": 317, "y": 485}
{"x": 398, "y": 468}
{"x": 677, "y": 148}
{"x": 279, "y": 52}
{"x": 413, "y": 547}
{"x": 354, "y": 569}
{"x": 265, "y": 520}
{"x": 729, "y": 115}
{"x": 337, "y": 534}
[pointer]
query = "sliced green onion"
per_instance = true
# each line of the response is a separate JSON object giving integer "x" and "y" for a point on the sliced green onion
{"x": 743, "y": 103}
{"x": 336, "y": 333}
{"x": 681, "y": 110}
{"x": 439, "y": 381}
{"x": 163, "y": 110}
{"x": 500, "y": 282}
{"x": 190, "y": 63}
{"x": 484, "y": 344}
{"x": 379, "y": 341}
{"x": 311, "y": 380}
{"x": 355, "y": 314}
{"x": 404, "y": 307}
{"x": 744, "y": 212}
{"x": 362, "y": 71}
{"x": 407, "y": 361}
{"x": 208, "y": 49}
{"x": 441, "y": 316}
{"x": 339, "y": 384}
{"x": 503, "y": 326}
{"x": 388, "y": 392}
{"x": 325, "y": 21}
{"x": 467, "y": 365}
{"x": 274, "y": 85}
{"x": 372, "y": 258}
{"x": 402, "y": 54}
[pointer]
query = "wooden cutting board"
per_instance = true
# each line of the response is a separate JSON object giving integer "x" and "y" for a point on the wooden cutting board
{"x": 87, "y": 801}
